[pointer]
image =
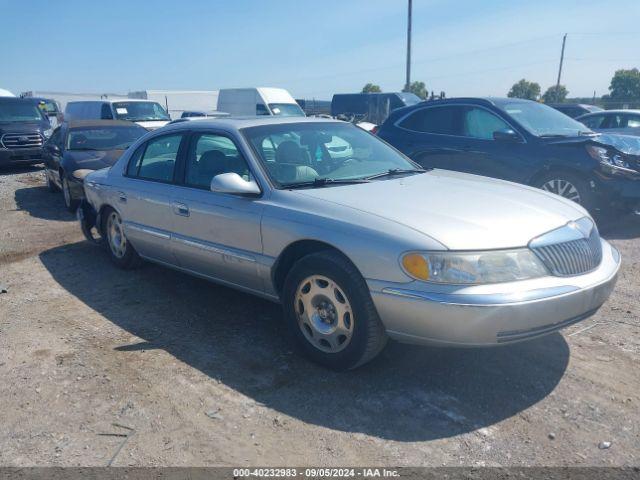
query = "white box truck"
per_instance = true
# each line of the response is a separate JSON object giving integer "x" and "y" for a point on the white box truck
{"x": 258, "y": 101}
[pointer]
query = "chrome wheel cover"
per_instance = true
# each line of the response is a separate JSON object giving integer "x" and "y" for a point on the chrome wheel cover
{"x": 115, "y": 235}
{"x": 66, "y": 192}
{"x": 324, "y": 314}
{"x": 562, "y": 187}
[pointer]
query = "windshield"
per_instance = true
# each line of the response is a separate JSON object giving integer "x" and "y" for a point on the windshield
{"x": 19, "y": 111}
{"x": 111, "y": 138}
{"x": 409, "y": 98}
{"x": 286, "y": 109}
{"x": 139, "y": 111}
{"x": 48, "y": 107}
{"x": 543, "y": 121}
{"x": 298, "y": 153}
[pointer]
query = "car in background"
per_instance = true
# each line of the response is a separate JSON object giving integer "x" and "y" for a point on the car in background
{"x": 574, "y": 110}
{"x": 258, "y": 101}
{"x": 147, "y": 114}
{"x": 23, "y": 130}
{"x": 81, "y": 146}
{"x": 520, "y": 141}
{"x": 356, "y": 249}
{"x": 371, "y": 108}
{"x": 50, "y": 108}
{"x": 200, "y": 114}
{"x": 626, "y": 122}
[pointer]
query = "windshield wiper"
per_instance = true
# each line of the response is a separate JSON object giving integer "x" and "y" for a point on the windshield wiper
{"x": 321, "y": 182}
{"x": 80, "y": 149}
{"x": 395, "y": 171}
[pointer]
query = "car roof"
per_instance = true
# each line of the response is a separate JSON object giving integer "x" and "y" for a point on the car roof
{"x": 100, "y": 123}
{"x": 236, "y": 123}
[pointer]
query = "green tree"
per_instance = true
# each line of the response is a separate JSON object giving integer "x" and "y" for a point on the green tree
{"x": 371, "y": 88}
{"x": 550, "y": 96}
{"x": 625, "y": 85}
{"x": 419, "y": 89}
{"x": 525, "y": 89}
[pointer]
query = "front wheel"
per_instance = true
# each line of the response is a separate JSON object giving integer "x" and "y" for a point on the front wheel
{"x": 69, "y": 202}
{"x": 569, "y": 186}
{"x": 120, "y": 249}
{"x": 330, "y": 312}
{"x": 52, "y": 187}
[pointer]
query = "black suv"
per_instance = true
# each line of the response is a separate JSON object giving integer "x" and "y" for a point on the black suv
{"x": 23, "y": 131}
{"x": 520, "y": 141}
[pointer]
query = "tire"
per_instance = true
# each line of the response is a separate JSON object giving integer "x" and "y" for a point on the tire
{"x": 69, "y": 202}
{"x": 332, "y": 288}
{"x": 52, "y": 187}
{"x": 569, "y": 186}
{"x": 121, "y": 252}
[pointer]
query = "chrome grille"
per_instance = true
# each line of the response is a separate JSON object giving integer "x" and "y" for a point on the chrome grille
{"x": 16, "y": 141}
{"x": 573, "y": 257}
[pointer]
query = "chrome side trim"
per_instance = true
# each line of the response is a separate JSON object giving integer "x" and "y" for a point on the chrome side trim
{"x": 212, "y": 247}
{"x": 148, "y": 230}
{"x": 483, "y": 300}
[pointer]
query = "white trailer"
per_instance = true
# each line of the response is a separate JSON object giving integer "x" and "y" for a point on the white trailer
{"x": 6, "y": 93}
{"x": 178, "y": 101}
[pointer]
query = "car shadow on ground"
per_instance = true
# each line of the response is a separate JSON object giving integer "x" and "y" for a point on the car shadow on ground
{"x": 408, "y": 393}
{"x": 39, "y": 202}
{"x": 618, "y": 226}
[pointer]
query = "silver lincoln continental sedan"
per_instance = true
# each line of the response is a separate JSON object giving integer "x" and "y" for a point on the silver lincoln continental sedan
{"x": 356, "y": 241}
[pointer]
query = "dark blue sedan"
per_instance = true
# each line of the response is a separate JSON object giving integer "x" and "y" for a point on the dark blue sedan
{"x": 521, "y": 141}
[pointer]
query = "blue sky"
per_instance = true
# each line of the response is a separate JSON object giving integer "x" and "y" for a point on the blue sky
{"x": 313, "y": 48}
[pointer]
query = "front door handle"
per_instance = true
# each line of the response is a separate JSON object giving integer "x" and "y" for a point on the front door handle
{"x": 180, "y": 209}
{"x": 122, "y": 197}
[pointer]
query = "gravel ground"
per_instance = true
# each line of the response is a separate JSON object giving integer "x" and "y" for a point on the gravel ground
{"x": 104, "y": 367}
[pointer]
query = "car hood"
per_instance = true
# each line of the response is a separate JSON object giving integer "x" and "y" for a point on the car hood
{"x": 461, "y": 211}
{"x": 627, "y": 144}
{"x": 90, "y": 159}
{"x": 23, "y": 127}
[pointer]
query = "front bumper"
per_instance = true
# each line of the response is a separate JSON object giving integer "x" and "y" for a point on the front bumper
{"x": 492, "y": 314}
{"x": 26, "y": 156}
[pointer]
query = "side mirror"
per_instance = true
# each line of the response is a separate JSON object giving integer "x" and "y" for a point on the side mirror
{"x": 506, "y": 135}
{"x": 54, "y": 149}
{"x": 234, "y": 184}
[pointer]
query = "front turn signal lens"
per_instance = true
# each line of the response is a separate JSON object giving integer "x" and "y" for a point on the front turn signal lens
{"x": 416, "y": 266}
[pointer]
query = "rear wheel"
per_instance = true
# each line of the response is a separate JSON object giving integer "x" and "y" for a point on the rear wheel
{"x": 120, "y": 249}
{"x": 330, "y": 312}
{"x": 569, "y": 186}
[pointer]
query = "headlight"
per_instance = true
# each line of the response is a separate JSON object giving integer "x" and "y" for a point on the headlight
{"x": 47, "y": 133}
{"x": 601, "y": 154}
{"x": 471, "y": 268}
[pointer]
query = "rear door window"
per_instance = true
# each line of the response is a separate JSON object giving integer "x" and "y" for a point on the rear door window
{"x": 438, "y": 120}
{"x": 158, "y": 160}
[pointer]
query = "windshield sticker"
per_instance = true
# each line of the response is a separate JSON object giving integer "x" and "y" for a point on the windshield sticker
{"x": 121, "y": 111}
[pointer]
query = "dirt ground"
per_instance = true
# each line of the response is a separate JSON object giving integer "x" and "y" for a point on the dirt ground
{"x": 152, "y": 367}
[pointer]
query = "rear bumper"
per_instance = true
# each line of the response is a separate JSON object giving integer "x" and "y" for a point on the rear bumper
{"x": 20, "y": 156}
{"x": 497, "y": 314}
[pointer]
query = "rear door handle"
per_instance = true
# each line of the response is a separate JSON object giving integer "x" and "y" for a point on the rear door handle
{"x": 122, "y": 197}
{"x": 180, "y": 209}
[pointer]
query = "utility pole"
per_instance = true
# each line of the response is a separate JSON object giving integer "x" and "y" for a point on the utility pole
{"x": 564, "y": 40}
{"x": 408, "y": 84}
